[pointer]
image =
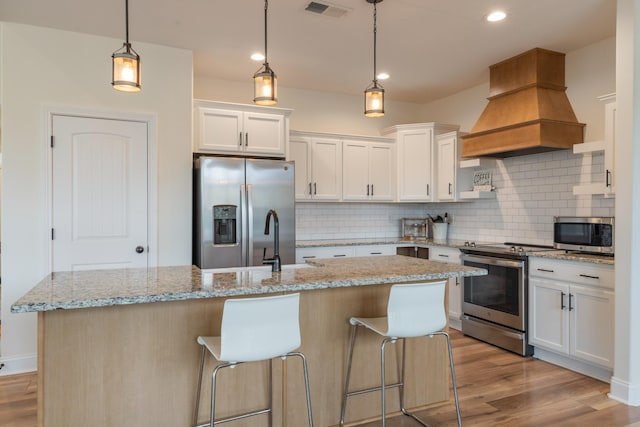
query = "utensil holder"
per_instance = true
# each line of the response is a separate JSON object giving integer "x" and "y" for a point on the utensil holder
{"x": 440, "y": 231}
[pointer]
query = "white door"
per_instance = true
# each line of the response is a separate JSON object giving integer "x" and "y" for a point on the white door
{"x": 300, "y": 153}
{"x": 326, "y": 167}
{"x": 446, "y": 168}
{"x": 381, "y": 172}
{"x": 592, "y": 324}
{"x": 99, "y": 193}
{"x": 548, "y": 315}
{"x": 414, "y": 152}
{"x": 355, "y": 171}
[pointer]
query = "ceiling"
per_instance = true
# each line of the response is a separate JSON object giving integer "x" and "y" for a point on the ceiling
{"x": 431, "y": 48}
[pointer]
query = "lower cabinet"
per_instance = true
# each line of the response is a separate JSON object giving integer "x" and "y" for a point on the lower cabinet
{"x": 450, "y": 255}
{"x": 304, "y": 254}
{"x": 571, "y": 309}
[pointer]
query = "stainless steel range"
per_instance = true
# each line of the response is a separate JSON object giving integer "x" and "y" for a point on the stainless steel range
{"x": 495, "y": 306}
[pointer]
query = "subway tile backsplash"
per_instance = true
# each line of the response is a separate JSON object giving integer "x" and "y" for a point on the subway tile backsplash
{"x": 531, "y": 190}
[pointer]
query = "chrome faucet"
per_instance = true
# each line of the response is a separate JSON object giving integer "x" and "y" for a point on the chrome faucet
{"x": 275, "y": 261}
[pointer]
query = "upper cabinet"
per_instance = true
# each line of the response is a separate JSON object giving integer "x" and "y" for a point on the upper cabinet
{"x": 415, "y": 159}
{"x": 318, "y": 166}
{"x": 226, "y": 128}
{"x": 368, "y": 169}
{"x": 451, "y": 180}
{"x": 605, "y": 183}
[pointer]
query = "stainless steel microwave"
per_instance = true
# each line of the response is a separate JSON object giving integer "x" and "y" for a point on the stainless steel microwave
{"x": 584, "y": 234}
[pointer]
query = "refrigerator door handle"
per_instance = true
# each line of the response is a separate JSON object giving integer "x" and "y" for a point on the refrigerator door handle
{"x": 249, "y": 204}
{"x": 241, "y": 224}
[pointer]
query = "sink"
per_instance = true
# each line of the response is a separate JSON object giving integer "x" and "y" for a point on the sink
{"x": 265, "y": 268}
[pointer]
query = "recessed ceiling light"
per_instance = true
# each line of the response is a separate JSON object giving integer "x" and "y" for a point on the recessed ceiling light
{"x": 496, "y": 16}
{"x": 257, "y": 57}
{"x": 383, "y": 76}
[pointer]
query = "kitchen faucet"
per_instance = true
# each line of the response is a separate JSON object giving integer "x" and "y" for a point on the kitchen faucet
{"x": 275, "y": 261}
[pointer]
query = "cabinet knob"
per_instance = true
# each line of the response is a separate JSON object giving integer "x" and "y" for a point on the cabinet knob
{"x": 139, "y": 249}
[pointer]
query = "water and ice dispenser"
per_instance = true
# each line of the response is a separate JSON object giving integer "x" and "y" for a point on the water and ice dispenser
{"x": 224, "y": 224}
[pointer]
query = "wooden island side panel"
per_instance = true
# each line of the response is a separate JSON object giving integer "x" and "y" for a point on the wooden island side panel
{"x": 138, "y": 364}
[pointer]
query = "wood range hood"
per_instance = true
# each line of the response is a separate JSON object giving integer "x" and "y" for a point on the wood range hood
{"x": 528, "y": 110}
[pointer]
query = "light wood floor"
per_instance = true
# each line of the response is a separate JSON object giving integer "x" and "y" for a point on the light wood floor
{"x": 496, "y": 388}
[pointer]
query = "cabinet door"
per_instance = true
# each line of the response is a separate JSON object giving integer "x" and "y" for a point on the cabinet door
{"x": 381, "y": 172}
{"x": 548, "y": 320}
{"x": 415, "y": 148}
{"x": 300, "y": 153}
{"x": 355, "y": 171}
{"x": 326, "y": 167}
{"x": 610, "y": 149}
{"x": 219, "y": 130}
{"x": 446, "y": 168}
{"x": 592, "y": 324}
{"x": 442, "y": 254}
{"x": 264, "y": 134}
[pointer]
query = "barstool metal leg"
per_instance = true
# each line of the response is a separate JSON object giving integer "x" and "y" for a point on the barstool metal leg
{"x": 352, "y": 342}
{"x": 382, "y": 377}
{"x": 270, "y": 392}
{"x": 306, "y": 384}
{"x": 453, "y": 377}
{"x": 197, "y": 408}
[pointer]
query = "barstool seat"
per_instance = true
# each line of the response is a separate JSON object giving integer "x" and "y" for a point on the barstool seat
{"x": 413, "y": 310}
{"x": 253, "y": 330}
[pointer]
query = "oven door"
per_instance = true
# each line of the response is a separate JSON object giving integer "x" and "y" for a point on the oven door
{"x": 498, "y": 297}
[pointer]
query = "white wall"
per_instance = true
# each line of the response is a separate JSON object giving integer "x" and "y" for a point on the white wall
{"x": 314, "y": 111}
{"x": 44, "y": 67}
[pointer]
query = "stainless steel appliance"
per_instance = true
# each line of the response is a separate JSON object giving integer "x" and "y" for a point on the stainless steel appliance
{"x": 584, "y": 234}
{"x": 232, "y": 198}
{"x": 494, "y": 306}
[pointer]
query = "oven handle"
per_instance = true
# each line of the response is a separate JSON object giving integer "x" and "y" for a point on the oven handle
{"x": 501, "y": 262}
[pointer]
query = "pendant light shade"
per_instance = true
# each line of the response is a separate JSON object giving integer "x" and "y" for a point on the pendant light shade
{"x": 265, "y": 82}
{"x": 125, "y": 71}
{"x": 374, "y": 94}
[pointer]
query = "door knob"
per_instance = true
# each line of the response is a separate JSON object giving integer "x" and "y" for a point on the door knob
{"x": 139, "y": 249}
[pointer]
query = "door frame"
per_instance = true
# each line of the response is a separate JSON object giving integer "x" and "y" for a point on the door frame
{"x": 151, "y": 120}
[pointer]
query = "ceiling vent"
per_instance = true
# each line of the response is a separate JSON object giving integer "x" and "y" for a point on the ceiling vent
{"x": 326, "y": 9}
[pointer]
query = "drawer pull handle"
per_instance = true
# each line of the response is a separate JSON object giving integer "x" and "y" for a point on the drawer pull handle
{"x": 590, "y": 277}
{"x": 339, "y": 255}
{"x": 443, "y": 255}
{"x": 562, "y": 294}
{"x": 545, "y": 270}
{"x": 375, "y": 253}
{"x": 309, "y": 257}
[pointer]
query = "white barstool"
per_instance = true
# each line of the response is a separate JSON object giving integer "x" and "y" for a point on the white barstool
{"x": 413, "y": 310}
{"x": 253, "y": 329}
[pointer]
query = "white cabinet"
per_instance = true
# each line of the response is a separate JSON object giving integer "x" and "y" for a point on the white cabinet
{"x": 304, "y": 254}
{"x": 225, "y": 128}
{"x": 450, "y": 179}
{"x": 604, "y": 182}
{"x": 450, "y": 255}
{"x": 368, "y": 170}
{"x": 375, "y": 250}
{"x": 318, "y": 166}
{"x": 415, "y": 157}
{"x": 571, "y": 309}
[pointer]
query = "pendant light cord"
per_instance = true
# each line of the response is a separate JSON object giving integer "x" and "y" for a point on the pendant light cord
{"x": 375, "y": 32}
{"x": 266, "y": 6}
{"x": 126, "y": 20}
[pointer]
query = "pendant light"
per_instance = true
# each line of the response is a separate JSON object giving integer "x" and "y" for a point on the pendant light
{"x": 265, "y": 88}
{"x": 125, "y": 72}
{"x": 374, "y": 94}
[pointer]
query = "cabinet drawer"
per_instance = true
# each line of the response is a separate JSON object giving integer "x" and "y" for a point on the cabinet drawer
{"x": 304, "y": 254}
{"x": 570, "y": 271}
{"x": 442, "y": 254}
{"x": 375, "y": 250}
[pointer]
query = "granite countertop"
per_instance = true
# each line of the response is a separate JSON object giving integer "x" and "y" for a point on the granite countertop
{"x": 104, "y": 288}
{"x": 575, "y": 256}
{"x": 378, "y": 241}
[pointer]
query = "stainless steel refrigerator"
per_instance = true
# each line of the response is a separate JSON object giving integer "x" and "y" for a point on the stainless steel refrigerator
{"x": 232, "y": 197}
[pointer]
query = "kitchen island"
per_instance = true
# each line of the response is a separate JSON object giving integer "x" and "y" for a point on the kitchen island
{"x": 118, "y": 347}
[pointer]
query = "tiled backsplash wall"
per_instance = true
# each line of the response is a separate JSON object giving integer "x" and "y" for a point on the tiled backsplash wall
{"x": 530, "y": 191}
